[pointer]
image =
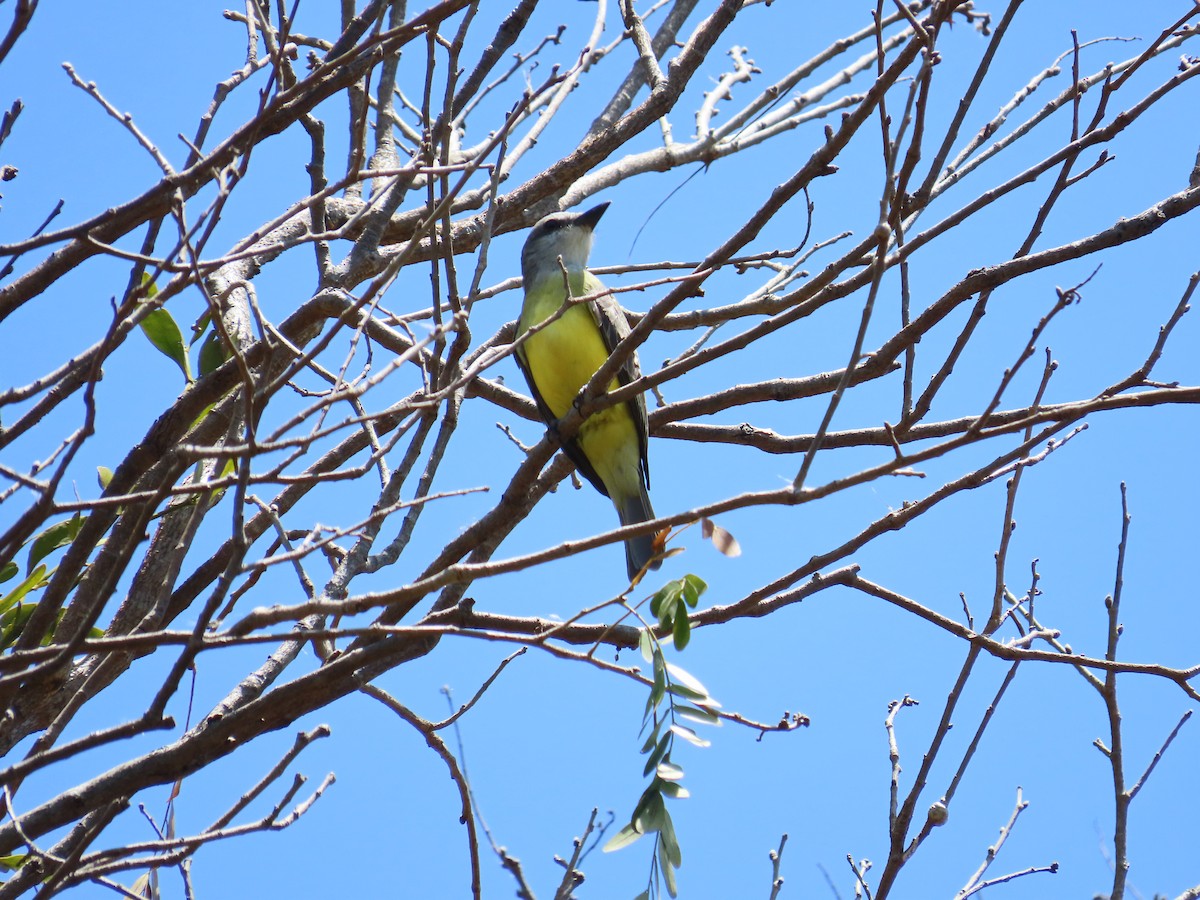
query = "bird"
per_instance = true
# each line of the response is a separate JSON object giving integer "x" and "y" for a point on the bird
{"x": 557, "y": 360}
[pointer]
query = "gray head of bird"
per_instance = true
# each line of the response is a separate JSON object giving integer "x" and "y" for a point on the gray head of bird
{"x": 562, "y": 234}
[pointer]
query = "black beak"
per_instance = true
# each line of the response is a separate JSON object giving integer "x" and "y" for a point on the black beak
{"x": 589, "y": 219}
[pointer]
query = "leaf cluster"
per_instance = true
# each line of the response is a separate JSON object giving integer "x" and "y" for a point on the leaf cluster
{"x": 677, "y": 700}
{"x": 15, "y": 607}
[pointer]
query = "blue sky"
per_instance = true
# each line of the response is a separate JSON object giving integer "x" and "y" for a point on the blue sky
{"x": 551, "y": 740}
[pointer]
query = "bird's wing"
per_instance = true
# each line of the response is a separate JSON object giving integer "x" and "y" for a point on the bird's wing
{"x": 613, "y": 328}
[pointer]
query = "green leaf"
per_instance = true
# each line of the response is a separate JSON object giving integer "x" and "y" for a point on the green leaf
{"x": 666, "y": 620}
{"x": 690, "y": 736}
{"x": 692, "y": 588}
{"x": 228, "y": 469}
{"x": 665, "y": 598}
{"x": 696, "y": 714}
{"x": 149, "y": 288}
{"x": 668, "y": 771}
{"x": 669, "y": 855}
{"x": 646, "y": 644}
{"x": 49, "y": 635}
{"x": 684, "y": 678}
{"x": 13, "y": 862}
{"x": 660, "y": 668}
{"x": 669, "y": 841}
{"x": 680, "y": 690}
{"x": 57, "y": 535}
{"x": 8, "y": 570}
{"x": 659, "y": 690}
{"x": 675, "y": 790}
{"x": 669, "y": 877}
{"x": 652, "y": 739}
{"x": 104, "y": 475}
{"x": 160, "y": 328}
{"x": 212, "y": 354}
{"x": 12, "y": 623}
{"x": 656, "y": 697}
{"x": 33, "y": 580}
{"x": 650, "y": 810}
{"x": 622, "y": 838}
{"x": 681, "y": 629}
{"x": 660, "y": 750}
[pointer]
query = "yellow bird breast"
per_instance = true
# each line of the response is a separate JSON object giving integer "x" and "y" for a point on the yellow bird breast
{"x": 561, "y": 358}
{"x": 564, "y": 356}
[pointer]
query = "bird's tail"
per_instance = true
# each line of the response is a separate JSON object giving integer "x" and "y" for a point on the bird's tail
{"x": 640, "y": 549}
